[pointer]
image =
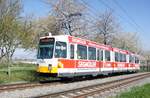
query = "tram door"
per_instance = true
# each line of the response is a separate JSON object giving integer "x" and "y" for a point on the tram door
{"x": 100, "y": 58}
{"x": 73, "y": 57}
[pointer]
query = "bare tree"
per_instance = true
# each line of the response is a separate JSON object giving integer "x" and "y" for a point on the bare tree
{"x": 146, "y": 55}
{"x": 68, "y": 15}
{"x": 106, "y": 26}
{"x": 128, "y": 41}
{"x": 47, "y": 24}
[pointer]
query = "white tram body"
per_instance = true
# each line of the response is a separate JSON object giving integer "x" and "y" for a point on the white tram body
{"x": 68, "y": 56}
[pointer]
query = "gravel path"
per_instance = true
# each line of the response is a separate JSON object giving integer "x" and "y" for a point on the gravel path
{"x": 32, "y": 92}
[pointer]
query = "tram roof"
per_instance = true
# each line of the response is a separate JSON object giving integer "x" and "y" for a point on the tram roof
{"x": 77, "y": 40}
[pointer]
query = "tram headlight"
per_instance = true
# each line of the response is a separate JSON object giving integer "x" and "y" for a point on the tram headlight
{"x": 49, "y": 66}
{"x": 37, "y": 65}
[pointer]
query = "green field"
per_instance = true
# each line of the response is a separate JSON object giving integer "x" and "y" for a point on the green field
{"x": 18, "y": 73}
{"x": 137, "y": 92}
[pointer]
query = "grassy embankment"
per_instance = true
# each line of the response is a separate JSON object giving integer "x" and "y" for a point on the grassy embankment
{"x": 19, "y": 72}
{"x": 137, "y": 92}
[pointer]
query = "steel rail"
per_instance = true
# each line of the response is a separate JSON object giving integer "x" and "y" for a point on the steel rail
{"x": 93, "y": 89}
{"x": 21, "y": 86}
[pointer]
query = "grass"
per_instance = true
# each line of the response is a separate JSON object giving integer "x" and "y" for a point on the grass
{"x": 19, "y": 72}
{"x": 137, "y": 92}
{"x": 16, "y": 76}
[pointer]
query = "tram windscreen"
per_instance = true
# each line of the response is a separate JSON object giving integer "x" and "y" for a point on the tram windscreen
{"x": 46, "y": 47}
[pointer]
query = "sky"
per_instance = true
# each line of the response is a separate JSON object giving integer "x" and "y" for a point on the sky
{"x": 132, "y": 15}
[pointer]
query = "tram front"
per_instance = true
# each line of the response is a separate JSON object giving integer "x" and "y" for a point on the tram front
{"x": 49, "y": 51}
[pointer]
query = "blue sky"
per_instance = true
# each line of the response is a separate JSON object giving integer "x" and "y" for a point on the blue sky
{"x": 138, "y": 10}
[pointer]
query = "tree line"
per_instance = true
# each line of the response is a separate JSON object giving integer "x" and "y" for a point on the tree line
{"x": 71, "y": 17}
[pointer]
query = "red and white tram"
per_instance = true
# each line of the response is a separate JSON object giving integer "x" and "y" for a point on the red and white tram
{"x": 68, "y": 56}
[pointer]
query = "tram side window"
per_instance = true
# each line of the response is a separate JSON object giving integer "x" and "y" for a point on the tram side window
{"x": 60, "y": 49}
{"x": 81, "y": 52}
{"x": 124, "y": 58}
{"x": 100, "y": 55}
{"x": 116, "y": 56}
{"x": 121, "y": 57}
{"x": 71, "y": 51}
{"x": 91, "y": 53}
{"x": 107, "y": 55}
{"x": 131, "y": 59}
{"x": 136, "y": 60}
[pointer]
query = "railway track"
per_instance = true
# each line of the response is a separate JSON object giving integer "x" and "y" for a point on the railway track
{"x": 95, "y": 89}
{"x": 21, "y": 86}
{"x": 11, "y": 87}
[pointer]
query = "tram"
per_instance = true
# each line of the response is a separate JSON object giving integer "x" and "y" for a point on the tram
{"x": 69, "y": 56}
